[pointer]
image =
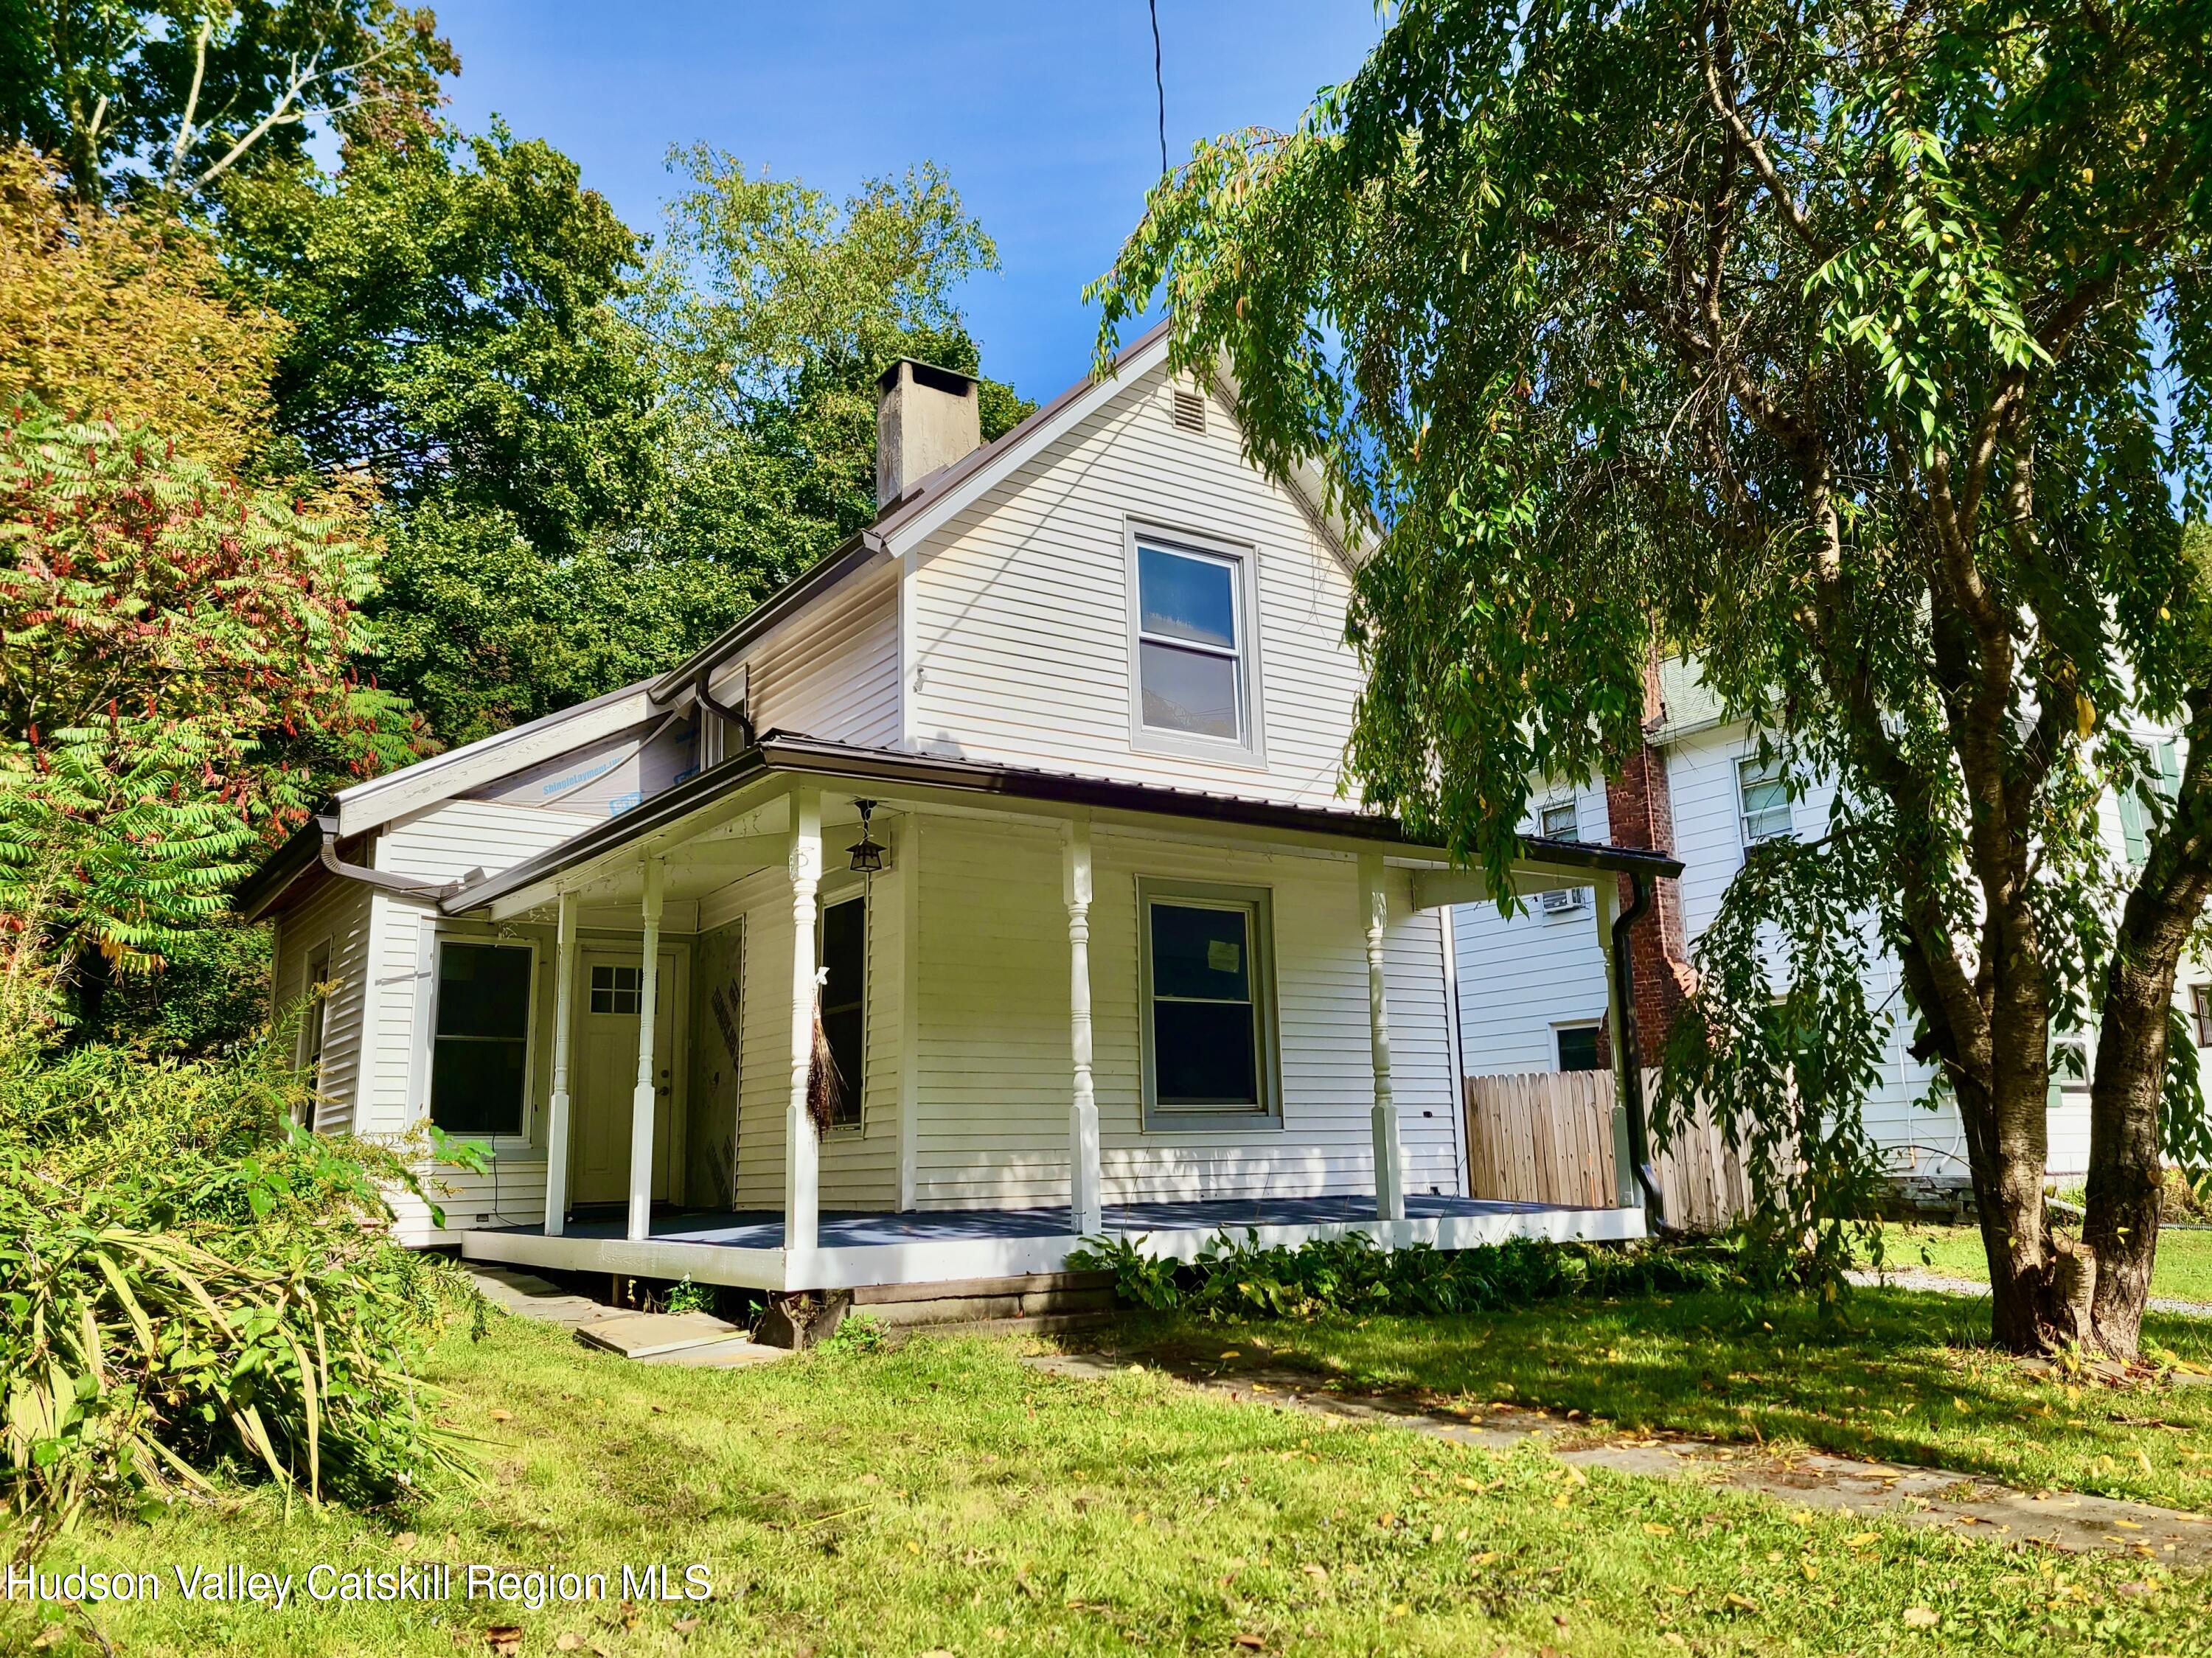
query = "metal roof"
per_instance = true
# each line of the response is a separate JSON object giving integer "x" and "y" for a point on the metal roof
{"x": 801, "y": 756}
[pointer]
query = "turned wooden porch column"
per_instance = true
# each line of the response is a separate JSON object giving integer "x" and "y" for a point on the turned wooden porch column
{"x": 643, "y": 1097}
{"x": 1389, "y": 1155}
{"x": 802, "y": 1150}
{"x": 1086, "y": 1214}
{"x": 557, "y": 1113}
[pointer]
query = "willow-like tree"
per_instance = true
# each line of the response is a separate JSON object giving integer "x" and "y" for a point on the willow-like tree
{"x": 1862, "y": 350}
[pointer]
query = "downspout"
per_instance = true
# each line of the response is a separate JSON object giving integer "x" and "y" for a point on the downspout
{"x": 737, "y": 716}
{"x": 384, "y": 880}
{"x": 1632, "y": 1061}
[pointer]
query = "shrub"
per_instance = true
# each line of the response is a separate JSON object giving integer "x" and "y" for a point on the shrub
{"x": 1353, "y": 1274}
{"x": 191, "y": 1285}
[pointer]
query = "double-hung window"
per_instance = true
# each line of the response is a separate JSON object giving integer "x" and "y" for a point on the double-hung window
{"x": 1207, "y": 1004}
{"x": 2138, "y": 818}
{"x": 480, "y": 1046}
{"x": 844, "y": 1003}
{"x": 1763, "y": 800}
{"x": 314, "y": 1022}
{"x": 1192, "y": 647}
{"x": 1579, "y": 1049}
{"x": 1560, "y": 821}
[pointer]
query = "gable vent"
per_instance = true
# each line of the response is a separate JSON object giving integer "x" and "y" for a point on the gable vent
{"x": 1189, "y": 410}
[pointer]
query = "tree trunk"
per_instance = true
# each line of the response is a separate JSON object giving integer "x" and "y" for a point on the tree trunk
{"x": 2008, "y": 1175}
{"x": 2126, "y": 1169}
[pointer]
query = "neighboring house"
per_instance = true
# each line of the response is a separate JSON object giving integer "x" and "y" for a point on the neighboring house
{"x": 1533, "y": 988}
{"x": 1126, "y": 964}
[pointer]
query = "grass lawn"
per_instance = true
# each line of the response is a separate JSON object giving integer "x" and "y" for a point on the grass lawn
{"x": 945, "y": 1498}
{"x": 2183, "y": 1269}
{"x": 1914, "y": 1381}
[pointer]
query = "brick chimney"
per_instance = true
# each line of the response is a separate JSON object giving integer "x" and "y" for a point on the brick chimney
{"x": 926, "y": 417}
{"x": 1640, "y": 813}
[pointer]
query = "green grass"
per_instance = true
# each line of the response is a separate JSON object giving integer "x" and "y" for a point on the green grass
{"x": 946, "y": 1498}
{"x": 1913, "y": 1379}
{"x": 2183, "y": 1269}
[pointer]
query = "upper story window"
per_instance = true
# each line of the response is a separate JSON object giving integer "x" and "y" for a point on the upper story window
{"x": 1561, "y": 821}
{"x": 2137, "y": 823}
{"x": 1763, "y": 801}
{"x": 480, "y": 1045}
{"x": 1194, "y": 648}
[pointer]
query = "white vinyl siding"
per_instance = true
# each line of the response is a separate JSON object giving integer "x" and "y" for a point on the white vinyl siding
{"x": 1520, "y": 979}
{"x": 334, "y": 915}
{"x": 832, "y": 670}
{"x": 994, "y": 1068}
{"x": 860, "y": 1166}
{"x": 1020, "y": 625}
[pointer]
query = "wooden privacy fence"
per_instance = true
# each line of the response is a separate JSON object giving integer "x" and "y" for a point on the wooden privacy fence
{"x": 1546, "y": 1136}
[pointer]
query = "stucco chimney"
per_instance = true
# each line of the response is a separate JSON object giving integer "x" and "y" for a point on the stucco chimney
{"x": 926, "y": 417}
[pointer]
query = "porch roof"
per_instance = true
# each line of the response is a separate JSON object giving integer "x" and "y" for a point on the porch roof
{"x": 798, "y": 755}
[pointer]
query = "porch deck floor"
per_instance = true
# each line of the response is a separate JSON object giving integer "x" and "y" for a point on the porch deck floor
{"x": 764, "y": 1229}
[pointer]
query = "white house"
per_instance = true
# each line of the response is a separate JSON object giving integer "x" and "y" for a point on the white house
{"x": 1533, "y": 988}
{"x": 1129, "y": 963}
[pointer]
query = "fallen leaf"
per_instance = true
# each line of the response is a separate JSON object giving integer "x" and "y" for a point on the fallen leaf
{"x": 502, "y": 1416}
{"x": 1742, "y": 1602}
{"x": 49, "y": 1636}
{"x": 1657, "y": 1530}
{"x": 404, "y": 1541}
{"x": 685, "y": 1625}
{"x": 1233, "y": 1353}
{"x": 1245, "y": 1639}
{"x": 1922, "y": 1618}
{"x": 568, "y": 1641}
{"x": 1863, "y": 1538}
{"x": 505, "y": 1639}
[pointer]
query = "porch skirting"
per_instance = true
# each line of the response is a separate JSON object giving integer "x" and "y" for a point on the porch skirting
{"x": 747, "y": 1249}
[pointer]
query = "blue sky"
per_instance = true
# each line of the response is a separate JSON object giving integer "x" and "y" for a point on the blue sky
{"x": 1043, "y": 114}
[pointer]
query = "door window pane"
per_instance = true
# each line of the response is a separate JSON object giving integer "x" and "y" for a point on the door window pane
{"x": 480, "y": 1052}
{"x": 845, "y": 1001}
{"x": 616, "y": 989}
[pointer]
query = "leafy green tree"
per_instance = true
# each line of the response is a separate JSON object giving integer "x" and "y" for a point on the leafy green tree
{"x": 1862, "y": 350}
{"x": 457, "y": 333}
{"x": 174, "y": 96}
{"x": 99, "y": 308}
{"x": 776, "y": 310}
{"x": 176, "y": 686}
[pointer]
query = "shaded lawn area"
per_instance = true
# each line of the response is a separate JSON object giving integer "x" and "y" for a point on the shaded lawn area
{"x": 946, "y": 1498}
{"x": 2184, "y": 1270}
{"x": 1911, "y": 1377}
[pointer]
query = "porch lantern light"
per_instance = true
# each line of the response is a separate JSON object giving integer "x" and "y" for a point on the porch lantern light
{"x": 867, "y": 852}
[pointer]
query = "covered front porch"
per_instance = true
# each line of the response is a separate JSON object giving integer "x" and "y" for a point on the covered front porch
{"x": 1010, "y": 1030}
{"x": 747, "y": 1249}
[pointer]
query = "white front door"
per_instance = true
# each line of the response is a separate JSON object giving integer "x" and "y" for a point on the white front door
{"x": 610, "y": 995}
